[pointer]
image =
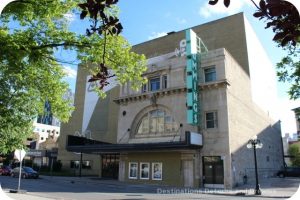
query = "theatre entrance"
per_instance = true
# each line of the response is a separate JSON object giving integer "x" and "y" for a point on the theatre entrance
{"x": 110, "y": 166}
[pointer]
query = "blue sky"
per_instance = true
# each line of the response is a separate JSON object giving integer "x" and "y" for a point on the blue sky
{"x": 147, "y": 19}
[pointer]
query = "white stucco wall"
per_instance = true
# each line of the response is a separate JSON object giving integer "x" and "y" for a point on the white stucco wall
{"x": 262, "y": 73}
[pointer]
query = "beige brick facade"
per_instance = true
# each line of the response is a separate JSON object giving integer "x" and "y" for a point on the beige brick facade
{"x": 227, "y": 99}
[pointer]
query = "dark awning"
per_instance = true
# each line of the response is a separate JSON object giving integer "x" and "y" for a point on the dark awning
{"x": 80, "y": 144}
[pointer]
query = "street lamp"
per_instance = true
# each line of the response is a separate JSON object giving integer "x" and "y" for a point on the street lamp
{"x": 255, "y": 144}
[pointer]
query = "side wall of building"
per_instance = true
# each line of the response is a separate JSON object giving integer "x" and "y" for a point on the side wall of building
{"x": 100, "y": 123}
{"x": 246, "y": 119}
{"x": 262, "y": 73}
{"x": 226, "y": 33}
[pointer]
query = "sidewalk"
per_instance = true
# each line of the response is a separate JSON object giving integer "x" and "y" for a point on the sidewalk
{"x": 273, "y": 187}
{"x": 276, "y": 188}
{"x": 270, "y": 187}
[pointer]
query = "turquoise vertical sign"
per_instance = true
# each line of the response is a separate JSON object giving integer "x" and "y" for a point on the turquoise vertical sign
{"x": 193, "y": 58}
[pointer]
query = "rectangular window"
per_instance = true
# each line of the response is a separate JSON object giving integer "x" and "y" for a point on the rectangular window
{"x": 75, "y": 164}
{"x": 154, "y": 84}
{"x": 157, "y": 171}
{"x": 144, "y": 88}
{"x": 144, "y": 170}
{"x": 86, "y": 164}
{"x": 210, "y": 74}
{"x": 211, "y": 119}
{"x": 133, "y": 170}
{"x": 164, "y": 81}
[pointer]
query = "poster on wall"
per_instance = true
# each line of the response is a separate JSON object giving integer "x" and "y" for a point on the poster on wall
{"x": 133, "y": 170}
{"x": 157, "y": 171}
{"x": 144, "y": 170}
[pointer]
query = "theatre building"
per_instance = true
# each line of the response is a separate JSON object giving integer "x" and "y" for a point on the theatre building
{"x": 210, "y": 89}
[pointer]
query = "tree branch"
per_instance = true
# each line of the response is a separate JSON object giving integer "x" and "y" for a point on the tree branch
{"x": 255, "y": 4}
{"x": 66, "y": 44}
{"x": 29, "y": 2}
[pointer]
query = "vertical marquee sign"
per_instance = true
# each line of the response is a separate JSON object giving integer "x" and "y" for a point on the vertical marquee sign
{"x": 194, "y": 46}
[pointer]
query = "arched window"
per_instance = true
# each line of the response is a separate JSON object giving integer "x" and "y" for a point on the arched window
{"x": 157, "y": 121}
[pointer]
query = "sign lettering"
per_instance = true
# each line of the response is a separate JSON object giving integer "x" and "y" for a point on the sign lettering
{"x": 192, "y": 77}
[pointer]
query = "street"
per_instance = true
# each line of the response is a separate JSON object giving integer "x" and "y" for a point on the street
{"x": 74, "y": 188}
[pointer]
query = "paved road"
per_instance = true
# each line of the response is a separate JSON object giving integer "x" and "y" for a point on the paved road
{"x": 62, "y": 188}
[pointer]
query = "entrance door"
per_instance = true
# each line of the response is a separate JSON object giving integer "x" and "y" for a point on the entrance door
{"x": 188, "y": 173}
{"x": 110, "y": 166}
{"x": 213, "y": 171}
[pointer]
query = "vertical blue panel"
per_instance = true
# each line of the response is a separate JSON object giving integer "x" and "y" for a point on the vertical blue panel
{"x": 192, "y": 77}
{"x": 189, "y": 82}
{"x": 189, "y": 116}
{"x": 189, "y": 99}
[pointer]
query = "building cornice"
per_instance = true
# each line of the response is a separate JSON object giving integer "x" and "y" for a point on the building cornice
{"x": 168, "y": 91}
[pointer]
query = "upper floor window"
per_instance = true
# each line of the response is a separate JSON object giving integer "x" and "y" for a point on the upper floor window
{"x": 164, "y": 81}
{"x": 210, "y": 74}
{"x": 211, "y": 119}
{"x": 144, "y": 88}
{"x": 154, "y": 84}
{"x": 157, "y": 121}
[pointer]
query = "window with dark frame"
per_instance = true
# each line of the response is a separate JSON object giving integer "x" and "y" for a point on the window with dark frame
{"x": 154, "y": 84}
{"x": 164, "y": 81}
{"x": 210, "y": 74}
{"x": 211, "y": 119}
{"x": 75, "y": 164}
{"x": 144, "y": 170}
{"x": 133, "y": 170}
{"x": 86, "y": 164}
{"x": 157, "y": 171}
{"x": 144, "y": 88}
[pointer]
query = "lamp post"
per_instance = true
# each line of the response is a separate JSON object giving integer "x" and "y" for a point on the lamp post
{"x": 255, "y": 144}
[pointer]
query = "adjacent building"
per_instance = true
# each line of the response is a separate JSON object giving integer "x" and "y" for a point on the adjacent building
{"x": 188, "y": 126}
{"x": 44, "y": 141}
{"x": 297, "y": 119}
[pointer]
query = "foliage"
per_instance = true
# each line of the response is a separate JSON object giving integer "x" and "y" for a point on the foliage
{"x": 119, "y": 58}
{"x": 126, "y": 65}
{"x": 288, "y": 70}
{"x": 102, "y": 21}
{"x": 283, "y": 17}
{"x": 294, "y": 151}
{"x": 31, "y": 33}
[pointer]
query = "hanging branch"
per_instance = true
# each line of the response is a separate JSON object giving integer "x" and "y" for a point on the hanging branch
{"x": 108, "y": 25}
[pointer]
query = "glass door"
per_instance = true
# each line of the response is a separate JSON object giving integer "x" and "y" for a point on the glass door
{"x": 213, "y": 171}
{"x": 110, "y": 166}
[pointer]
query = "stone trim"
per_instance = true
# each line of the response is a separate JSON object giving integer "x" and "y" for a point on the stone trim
{"x": 168, "y": 91}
